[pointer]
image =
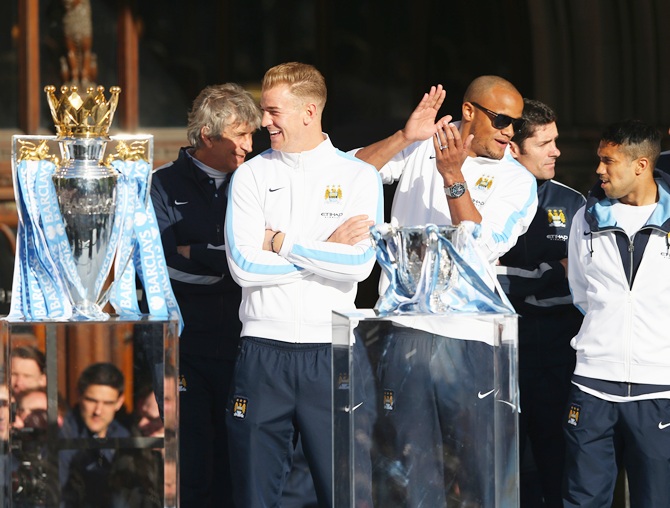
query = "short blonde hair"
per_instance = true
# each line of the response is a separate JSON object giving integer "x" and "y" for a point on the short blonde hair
{"x": 304, "y": 81}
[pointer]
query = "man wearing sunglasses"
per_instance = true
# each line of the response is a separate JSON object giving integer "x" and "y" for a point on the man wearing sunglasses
{"x": 449, "y": 173}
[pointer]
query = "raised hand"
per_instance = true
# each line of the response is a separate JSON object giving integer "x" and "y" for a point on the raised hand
{"x": 450, "y": 151}
{"x": 421, "y": 123}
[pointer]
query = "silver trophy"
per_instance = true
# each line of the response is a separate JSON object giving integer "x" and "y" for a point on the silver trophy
{"x": 418, "y": 263}
{"x": 79, "y": 251}
{"x": 86, "y": 192}
{"x": 435, "y": 270}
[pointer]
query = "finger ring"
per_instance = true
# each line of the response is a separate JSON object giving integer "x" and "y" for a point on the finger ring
{"x": 442, "y": 147}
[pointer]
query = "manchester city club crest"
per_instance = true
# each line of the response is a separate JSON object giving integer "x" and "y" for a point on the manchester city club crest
{"x": 240, "y": 407}
{"x": 333, "y": 193}
{"x": 556, "y": 217}
{"x": 389, "y": 400}
{"x": 484, "y": 182}
{"x": 573, "y": 414}
{"x": 343, "y": 381}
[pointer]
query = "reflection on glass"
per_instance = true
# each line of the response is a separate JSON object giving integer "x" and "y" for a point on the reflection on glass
{"x": 425, "y": 410}
{"x": 93, "y": 433}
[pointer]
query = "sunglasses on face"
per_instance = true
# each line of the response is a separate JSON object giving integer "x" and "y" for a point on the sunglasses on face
{"x": 499, "y": 120}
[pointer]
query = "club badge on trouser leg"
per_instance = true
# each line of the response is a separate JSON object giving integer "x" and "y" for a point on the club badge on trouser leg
{"x": 84, "y": 215}
{"x": 435, "y": 270}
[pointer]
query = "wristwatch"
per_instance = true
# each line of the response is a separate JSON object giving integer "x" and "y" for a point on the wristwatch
{"x": 456, "y": 190}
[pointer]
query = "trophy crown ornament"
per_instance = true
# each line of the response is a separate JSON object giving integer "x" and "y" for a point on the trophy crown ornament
{"x": 87, "y": 115}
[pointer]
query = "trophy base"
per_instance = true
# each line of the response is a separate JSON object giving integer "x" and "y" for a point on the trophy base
{"x": 87, "y": 310}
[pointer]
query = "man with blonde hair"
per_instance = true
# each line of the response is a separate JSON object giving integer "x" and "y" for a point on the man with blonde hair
{"x": 190, "y": 198}
{"x": 297, "y": 238}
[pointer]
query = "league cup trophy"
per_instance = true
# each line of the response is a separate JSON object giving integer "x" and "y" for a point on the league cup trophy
{"x": 435, "y": 269}
{"x": 82, "y": 216}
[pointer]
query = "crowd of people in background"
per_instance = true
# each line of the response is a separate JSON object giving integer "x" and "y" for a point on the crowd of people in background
{"x": 260, "y": 253}
{"x": 85, "y": 474}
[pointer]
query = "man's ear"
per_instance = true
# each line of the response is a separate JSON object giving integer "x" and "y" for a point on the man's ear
{"x": 119, "y": 402}
{"x": 468, "y": 111}
{"x": 311, "y": 112}
{"x": 641, "y": 165}
{"x": 204, "y": 136}
{"x": 514, "y": 149}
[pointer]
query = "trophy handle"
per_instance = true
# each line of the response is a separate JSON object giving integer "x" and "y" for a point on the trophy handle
{"x": 104, "y": 297}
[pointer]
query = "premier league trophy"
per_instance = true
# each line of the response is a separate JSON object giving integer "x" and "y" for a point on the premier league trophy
{"x": 435, "y": 269}
{"x": 84, "y": 214}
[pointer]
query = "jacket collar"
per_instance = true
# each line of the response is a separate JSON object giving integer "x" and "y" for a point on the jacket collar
{"x": 309, "y": 158}
{"x": 186, "y": 158}
{"x": 598, "y": 212}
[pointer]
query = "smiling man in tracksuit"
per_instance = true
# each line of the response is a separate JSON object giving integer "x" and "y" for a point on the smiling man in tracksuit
{"x": 297, "y": 238}
{"x": 619, "y": 272}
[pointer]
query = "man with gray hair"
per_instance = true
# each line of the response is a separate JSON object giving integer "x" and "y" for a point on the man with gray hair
{"x": 190, "y": 198}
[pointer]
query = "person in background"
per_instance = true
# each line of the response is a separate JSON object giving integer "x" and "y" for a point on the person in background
{"x": 534, "y": 274}
{"x": 26, "y": 369}
{"x": 618, "y": 411}
{"x": 190, "y": 197}
{"x": 84, "y": 472}
{"x": 136, "y": 475}
{"x": 31, "y": 408}
{"x": 149, "y": 422}
{"x": 297, "y": 239}
{"x": 5, "y": 418}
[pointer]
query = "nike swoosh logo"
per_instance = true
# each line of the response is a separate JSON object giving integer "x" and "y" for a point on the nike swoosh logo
{"x": 177, "y": 203}
{"x": 353, "y": 408}
{"x": 482, "y": 395}
{"x": 431, "y": 156}
{"x": 662, "y": 425}
{"x": 273, "y": 190}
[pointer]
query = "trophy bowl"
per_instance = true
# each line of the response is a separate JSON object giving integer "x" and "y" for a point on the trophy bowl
{"x": 417, "y": 262}
{"x": 86, "y": 193}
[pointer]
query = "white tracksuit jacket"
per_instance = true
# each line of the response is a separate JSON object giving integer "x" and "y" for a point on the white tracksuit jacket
{"x": 504, "y": 192}
{"x": 290, "y": 296}
{"x": 625, "y": 335}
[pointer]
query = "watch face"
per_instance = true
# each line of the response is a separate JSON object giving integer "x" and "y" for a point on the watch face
{"x": 456, "y": 190}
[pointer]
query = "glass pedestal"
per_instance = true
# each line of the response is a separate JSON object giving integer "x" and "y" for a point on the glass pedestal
{"x": 97, "y": 425}
{"x": 425, "y": 411}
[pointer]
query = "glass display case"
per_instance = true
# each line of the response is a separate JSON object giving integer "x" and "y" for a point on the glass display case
{"x": 89, "y": 413}
{"x": 425, "y": 410}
